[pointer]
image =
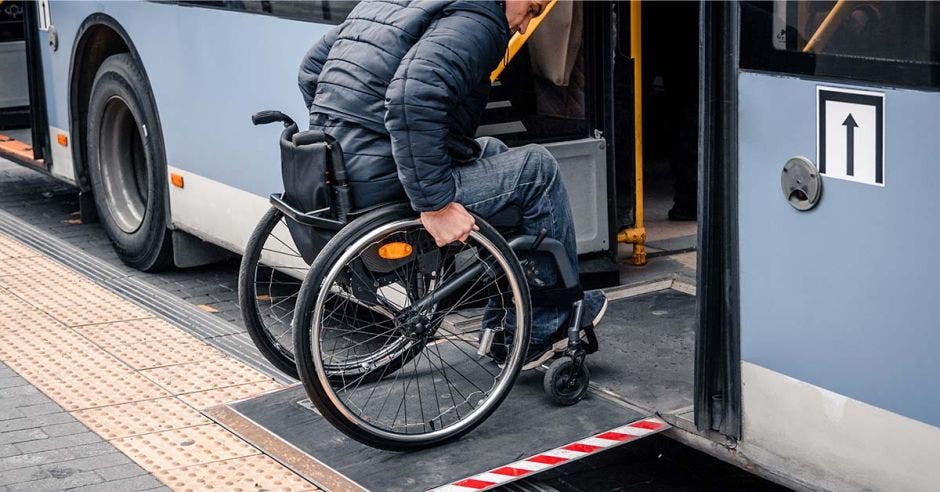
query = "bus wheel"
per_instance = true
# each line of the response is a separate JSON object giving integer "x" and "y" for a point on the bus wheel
{"x": 127, "y": 164}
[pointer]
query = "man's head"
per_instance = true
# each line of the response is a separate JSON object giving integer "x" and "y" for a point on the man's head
{"x": 520, "y": 12}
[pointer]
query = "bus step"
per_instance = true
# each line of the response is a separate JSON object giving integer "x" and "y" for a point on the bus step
{"x": 19, "y": 152}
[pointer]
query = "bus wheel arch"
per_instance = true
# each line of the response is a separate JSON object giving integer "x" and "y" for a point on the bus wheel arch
{"x": 111, "y": 103}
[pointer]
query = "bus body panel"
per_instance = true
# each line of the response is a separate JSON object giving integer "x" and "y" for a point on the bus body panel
{"x": 824, "y": 440}
{"x": 209, "y": 70}
{"x": 838, "y": 313}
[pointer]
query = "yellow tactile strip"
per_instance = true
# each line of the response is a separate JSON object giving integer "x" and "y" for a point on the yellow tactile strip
{"x": 187, "y": 446}
{"x": 239, "y": 474}
{"x": 210, "y": 398}
{"x": 205, "y": 375}
{"x": 140, "y": 417}
{"x": 134, "y": 379}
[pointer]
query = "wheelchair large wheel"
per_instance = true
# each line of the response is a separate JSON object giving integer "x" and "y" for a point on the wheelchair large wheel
{"x": 269, "y": 280}
{"x": 388, "y": 327}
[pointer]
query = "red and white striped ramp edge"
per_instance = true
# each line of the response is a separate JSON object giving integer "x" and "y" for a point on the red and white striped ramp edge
{"x": 556, "y": 457}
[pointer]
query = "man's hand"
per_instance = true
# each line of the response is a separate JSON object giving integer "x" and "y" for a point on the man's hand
{"x": 449, "y": 224}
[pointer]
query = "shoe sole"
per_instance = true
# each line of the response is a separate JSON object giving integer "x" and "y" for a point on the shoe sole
{"x": 562, "y": 344}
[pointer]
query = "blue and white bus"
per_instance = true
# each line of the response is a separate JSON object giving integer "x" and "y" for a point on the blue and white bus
{"x": 815, "y": 334}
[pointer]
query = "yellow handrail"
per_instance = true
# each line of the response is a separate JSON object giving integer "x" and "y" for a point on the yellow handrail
{"x": 517, "y": 40}
{"x": 637, "y": 234}
{"x": 824, "y": 29}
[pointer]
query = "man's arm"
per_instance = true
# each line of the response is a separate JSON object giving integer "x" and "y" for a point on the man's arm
{"x": 439, "y": 71}
{"x": 312, "y": 64}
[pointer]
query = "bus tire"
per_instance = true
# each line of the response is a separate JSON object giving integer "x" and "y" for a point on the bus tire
{"x": 127, "y": 164}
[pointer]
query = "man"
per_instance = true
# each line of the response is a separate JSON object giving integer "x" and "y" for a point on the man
{"x": 402, "y": 86}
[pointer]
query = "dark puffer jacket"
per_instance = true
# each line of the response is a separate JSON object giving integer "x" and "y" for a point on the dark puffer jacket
{"x": 405, "y": 83}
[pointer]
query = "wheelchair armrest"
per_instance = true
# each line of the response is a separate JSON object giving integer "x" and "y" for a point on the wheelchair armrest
{"x": 522, "y": 244}
{"x": 308, "y": 137}
{"x": 312, "y": 219}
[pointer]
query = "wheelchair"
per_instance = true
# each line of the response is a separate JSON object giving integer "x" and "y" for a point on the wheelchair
{"x": 399, "y": 343}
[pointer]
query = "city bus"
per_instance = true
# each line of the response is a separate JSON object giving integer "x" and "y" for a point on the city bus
{"x": 812, "y": 333}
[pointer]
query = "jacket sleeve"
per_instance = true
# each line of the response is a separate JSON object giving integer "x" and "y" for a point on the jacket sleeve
{"x": 312, "y": 64}
{"x": 435, "y": 76}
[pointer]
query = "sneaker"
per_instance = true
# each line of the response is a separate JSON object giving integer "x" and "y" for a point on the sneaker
{"x": 595, "y": 307}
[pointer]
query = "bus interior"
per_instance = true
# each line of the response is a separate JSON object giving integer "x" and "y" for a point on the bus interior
{"x": 647, "y": 340}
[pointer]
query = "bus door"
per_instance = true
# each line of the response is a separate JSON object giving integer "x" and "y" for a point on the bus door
{"x": 837, "y": 189}
{"x": 23, "y": 134}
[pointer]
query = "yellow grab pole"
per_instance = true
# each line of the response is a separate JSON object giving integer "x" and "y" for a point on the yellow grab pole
{"x": 517, "y": 40}
{"x": 637, "y": 234}
{"x": 825, "y": 29}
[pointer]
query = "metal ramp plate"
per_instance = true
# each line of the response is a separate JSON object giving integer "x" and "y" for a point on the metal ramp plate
{"x": 645, "y": 358}
{"x": 526, "y": 425}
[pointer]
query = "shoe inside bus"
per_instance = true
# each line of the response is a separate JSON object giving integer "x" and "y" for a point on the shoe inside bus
{"x": 647, "y": 338}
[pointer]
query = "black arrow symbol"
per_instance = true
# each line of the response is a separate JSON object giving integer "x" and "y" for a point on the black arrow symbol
{"x": 850, "y": 126}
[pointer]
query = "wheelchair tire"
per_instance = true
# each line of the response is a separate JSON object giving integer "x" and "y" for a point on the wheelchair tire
{"x": 379, "y": 226}
{"x": 267, "y": 296}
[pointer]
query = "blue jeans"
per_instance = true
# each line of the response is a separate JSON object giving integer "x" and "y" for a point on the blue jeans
{"x": 526, "y": 177}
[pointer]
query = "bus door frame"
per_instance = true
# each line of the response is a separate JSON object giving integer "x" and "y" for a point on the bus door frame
{"x": 39, "y": 125}
{"x": 599, "y": 100}
{"x": 717, "y": 385}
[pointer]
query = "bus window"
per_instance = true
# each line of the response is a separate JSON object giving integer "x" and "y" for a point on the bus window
{"x": 877, "y": 41}
{"x": 872, "y": 30}
{"x": 329, "y": 11}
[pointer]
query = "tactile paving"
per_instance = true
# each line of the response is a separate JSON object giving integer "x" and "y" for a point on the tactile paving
{"x": 61, "y": 288}
{"x": 158, "y": 353}
{"x": 84, "y": 376}
{"x": 30, "y": 319}
{"x": 71, "y": 299}
{"x": 32, "y": 265}
{"x": 127, "y": 332}
{"x": 205, "y": 375}
{"x": 251, "y": 473}
{"x": 142, "y": 417}
{"x": 95, "y": 312}
{"x": 183, "y": 447}
{"x": 210, "y": 398}
{"x": 13, "y": 249}
{"x": 40, "y": 336}
{"x": 10, "y": 302}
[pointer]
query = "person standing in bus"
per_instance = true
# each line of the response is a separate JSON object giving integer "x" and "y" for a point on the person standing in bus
{"x": 402, "y": 87}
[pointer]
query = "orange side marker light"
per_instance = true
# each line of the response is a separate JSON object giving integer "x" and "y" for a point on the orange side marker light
{"x": 395, "y": 251}
{"x": 63, "y": 139}
{"x": 176, "y": 179}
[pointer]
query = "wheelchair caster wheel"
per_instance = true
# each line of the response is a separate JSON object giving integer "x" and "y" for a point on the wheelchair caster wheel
{"x": 565, "y": 383}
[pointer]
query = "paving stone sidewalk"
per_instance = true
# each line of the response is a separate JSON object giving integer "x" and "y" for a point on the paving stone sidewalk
{"x": 42, "y": 447}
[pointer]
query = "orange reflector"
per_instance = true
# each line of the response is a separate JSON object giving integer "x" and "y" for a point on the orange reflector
{"x": 176, "y": 179}
{"x": 63, "y": 139}
{"x": 395, "y": 251}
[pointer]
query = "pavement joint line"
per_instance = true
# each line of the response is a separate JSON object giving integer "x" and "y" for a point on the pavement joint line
{"x": 167, "y": 306}
{"x": 109, "y": 362}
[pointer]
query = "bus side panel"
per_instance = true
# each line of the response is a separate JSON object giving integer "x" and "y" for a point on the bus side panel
{"x": 840, "y": 298}
{"x": 209, "y": 71}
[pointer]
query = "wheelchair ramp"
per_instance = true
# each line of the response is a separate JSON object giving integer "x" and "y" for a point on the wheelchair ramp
{"x": 526, "y": 435}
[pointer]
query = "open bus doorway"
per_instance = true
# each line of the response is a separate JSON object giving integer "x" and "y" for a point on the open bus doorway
{"x": 669, "y": 198}
{"x": 554, "y": 93}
